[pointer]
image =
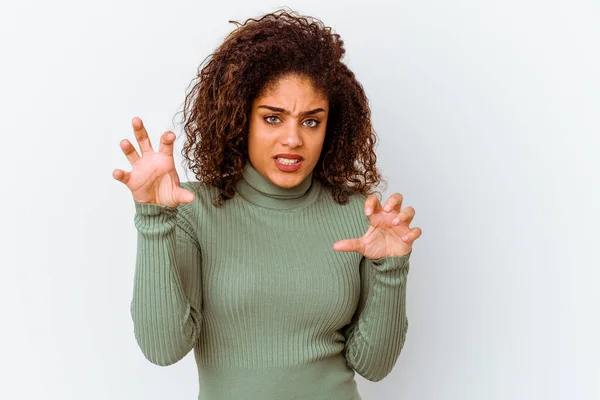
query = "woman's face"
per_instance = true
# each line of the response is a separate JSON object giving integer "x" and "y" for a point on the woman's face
{"x": 288, "y": 120}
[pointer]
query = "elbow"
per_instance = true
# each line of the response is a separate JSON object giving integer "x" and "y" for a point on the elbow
{"x": 163, "y": 351}
{"x": 160, "y": 349}
{"x": 374, "y": 378}
{"x": 374, "y": 375}
{"x": 162, "y": 360}
{"x": 370, "y": 368}
{"x": 164, "y": 344}
{"x": 374, "y": 364}
{"x": 376, "y": 367}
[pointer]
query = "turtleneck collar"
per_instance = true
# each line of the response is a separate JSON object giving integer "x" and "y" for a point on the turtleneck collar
{"x": 260, "y": 191}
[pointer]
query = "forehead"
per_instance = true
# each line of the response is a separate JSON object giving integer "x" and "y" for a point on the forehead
{"x": 292, "y": 88}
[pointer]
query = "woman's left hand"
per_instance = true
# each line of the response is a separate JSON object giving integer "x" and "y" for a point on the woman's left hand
{"x": 389, "y": 233}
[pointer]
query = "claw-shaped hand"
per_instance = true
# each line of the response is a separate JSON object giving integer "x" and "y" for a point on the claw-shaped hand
{"x": 389, "y": 233}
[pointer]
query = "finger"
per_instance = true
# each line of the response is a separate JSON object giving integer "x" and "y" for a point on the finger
{"x": 348, "y": 245}
{"x": 121, "y": 176}
{"x": 129, "y": 151}
{"x": 185, "y": 196}
{"x": 406, "y": 216}
{"x": 141, "y": 135}
{"x": 166, "y": 143}
{"x": 372, "y": 204}
{"x": 413, "y": 235}
{"x": 394, "y": 203}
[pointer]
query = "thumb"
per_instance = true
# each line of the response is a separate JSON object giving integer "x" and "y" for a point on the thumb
{"x": 347, "y": 245}
{"x": 185, "y": 196}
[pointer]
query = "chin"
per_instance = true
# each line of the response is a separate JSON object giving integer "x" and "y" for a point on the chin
{"x": 287, "y": 181}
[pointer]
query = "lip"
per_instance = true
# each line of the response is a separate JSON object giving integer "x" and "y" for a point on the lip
{"x": 288, "y": 168}
{"x": 290, "y": 156}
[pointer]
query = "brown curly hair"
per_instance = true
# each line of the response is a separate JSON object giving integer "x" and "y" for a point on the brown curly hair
{"x": 217, "y": 109}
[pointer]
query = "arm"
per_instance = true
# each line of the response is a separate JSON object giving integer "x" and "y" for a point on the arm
{"x": 167, "y": 297}
{"x": 376, "y": 334}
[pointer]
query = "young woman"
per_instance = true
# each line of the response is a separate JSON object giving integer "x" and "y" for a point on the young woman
{"x": 279, "y": 267}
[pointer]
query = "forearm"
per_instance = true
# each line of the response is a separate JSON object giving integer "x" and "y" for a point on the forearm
{"x": 166, "y": 324}
{"x": 375, "y": 339}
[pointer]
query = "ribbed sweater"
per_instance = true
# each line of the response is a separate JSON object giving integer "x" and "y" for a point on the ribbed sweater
{"x": 256, "y": 289}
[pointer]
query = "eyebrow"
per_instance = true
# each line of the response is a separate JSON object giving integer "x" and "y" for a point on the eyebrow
{"x": 277, "y": 109}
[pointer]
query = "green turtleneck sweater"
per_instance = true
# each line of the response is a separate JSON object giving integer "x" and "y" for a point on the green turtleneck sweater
{"x": 256, "y": 289}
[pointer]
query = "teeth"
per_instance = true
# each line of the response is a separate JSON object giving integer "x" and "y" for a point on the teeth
{"x": 287, "y": 161}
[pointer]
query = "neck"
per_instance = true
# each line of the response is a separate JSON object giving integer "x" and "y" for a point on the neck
{"x": 259, "y": 190}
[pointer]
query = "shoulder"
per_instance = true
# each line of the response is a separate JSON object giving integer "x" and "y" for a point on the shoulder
{"x": 355, "y": 200}
{"x": 353, "y": 208}
{"x": 349, "y": 217}
{"x": 197, "y": 188}
{"x": 203, "y": 195}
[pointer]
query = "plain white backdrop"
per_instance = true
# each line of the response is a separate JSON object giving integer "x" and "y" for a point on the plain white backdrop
{"x": 487, "y": 114}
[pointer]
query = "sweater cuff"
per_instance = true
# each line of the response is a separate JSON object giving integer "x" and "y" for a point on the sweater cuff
{"x": 391, "y": 263}
{"x": 152, "y": 209}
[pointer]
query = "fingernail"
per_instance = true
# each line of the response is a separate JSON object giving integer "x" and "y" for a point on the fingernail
{"x": 405, "y": 238}
{"x": 368, "y": 211}
{"x": 387, "y": 208}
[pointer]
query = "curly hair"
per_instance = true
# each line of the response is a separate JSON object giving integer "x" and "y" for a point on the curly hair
{"x": 252, "y": 57}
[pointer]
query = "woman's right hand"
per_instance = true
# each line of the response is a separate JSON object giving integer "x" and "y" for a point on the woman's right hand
{"x": 154, "y": 178}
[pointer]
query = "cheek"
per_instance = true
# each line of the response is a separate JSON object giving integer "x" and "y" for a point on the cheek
{"x": 253, "y": 134}
{"x": 320, "y": 139}
{"x": 259, "y": 141}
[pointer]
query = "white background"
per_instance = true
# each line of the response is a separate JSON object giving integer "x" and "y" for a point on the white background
{"x": 487, "y": 114}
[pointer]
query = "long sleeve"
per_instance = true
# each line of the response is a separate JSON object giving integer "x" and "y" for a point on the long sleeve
{"x": 376, "y": 334}
{"x": 167, "y": 296}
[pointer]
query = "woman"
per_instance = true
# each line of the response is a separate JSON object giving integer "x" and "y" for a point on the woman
{"x": 279, "y": 267}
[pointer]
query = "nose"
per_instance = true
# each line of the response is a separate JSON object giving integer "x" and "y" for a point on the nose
{"x": 291, "y": 136}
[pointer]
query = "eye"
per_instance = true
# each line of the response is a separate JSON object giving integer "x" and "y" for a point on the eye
{"x": 270, "y": 121}
{"x": 316, "y": 123}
